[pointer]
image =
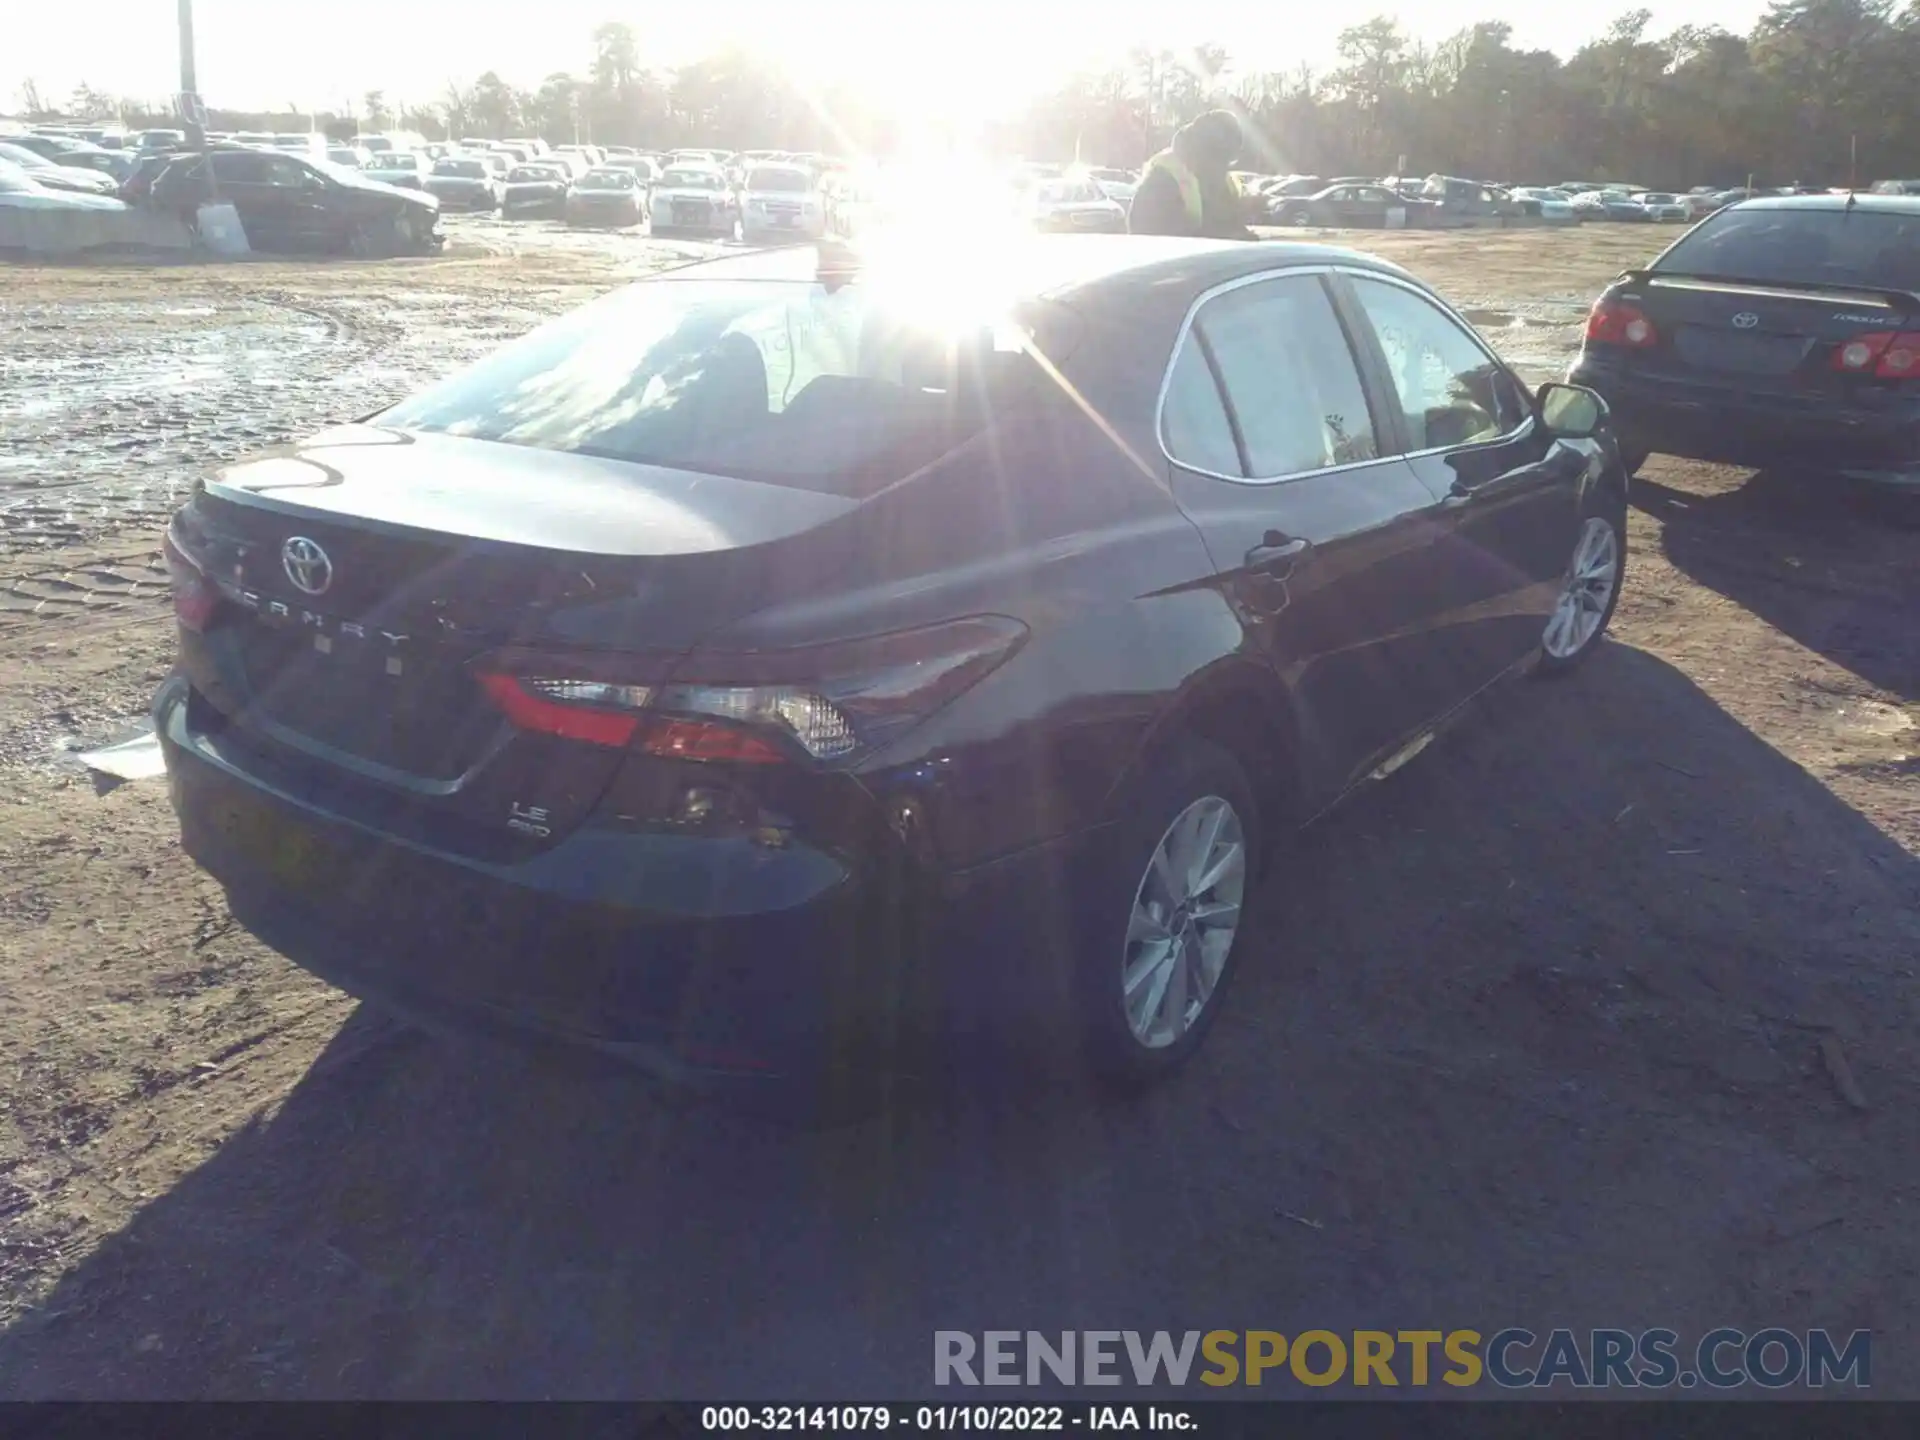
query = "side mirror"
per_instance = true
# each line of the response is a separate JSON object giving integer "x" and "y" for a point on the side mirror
{"x": 1571, "y": 412}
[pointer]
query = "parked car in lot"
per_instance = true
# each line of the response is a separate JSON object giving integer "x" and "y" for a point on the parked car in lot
{"x": 1611, "y": 205}
{"x": 1464, "y": 200}
{"x": 535, "y": 191}
{"x": 693, "y": 199}
{"x": 1782, "y": 331}
{"x": 354, "y": 157}
{"x": 753, "y": 672}
{"x": 1117, "y": 185}
{"x": 1364, "y": 206}
{"x": 464, "y": 182}
{"x": 610, "y": 196}
{"x": 291, "y": 203}
{"x": 1077, "y": 205}
{"x": 781, "y": 202}
{"x": 1662, "y": 206}
{"x": 404, "y": 169}
{"x": 1550, "y": 205}
{"x": 50, "y": 175}
{"x": 20, "y": 191}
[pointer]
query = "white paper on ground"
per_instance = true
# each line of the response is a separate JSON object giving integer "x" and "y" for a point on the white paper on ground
{"x": 221, "y": 230}
{"x": 135, "y": 759}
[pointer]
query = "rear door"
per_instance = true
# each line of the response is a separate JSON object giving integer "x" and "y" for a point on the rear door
{"x": 1508, "y": 490}
{"x": 1322, "y": 536}
{"x": 243, "y": 181}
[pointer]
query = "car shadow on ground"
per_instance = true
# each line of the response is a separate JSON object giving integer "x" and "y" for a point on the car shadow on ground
{"x": 1810, "y": 555}
{"x": 1530, "y": 1037}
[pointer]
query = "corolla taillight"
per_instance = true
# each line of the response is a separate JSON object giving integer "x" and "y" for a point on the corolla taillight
{"x": 1884, "y": 354}
{"x": 822, "y": 703}
{"x": 1614, "y": 322}
{"x": 194, "y": 596}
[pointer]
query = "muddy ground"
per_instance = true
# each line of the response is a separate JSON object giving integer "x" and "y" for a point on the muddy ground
{"x": 1602, "y": 1013}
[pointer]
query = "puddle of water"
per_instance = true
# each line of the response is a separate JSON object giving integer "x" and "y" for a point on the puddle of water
{"x": 1872, "y": 717}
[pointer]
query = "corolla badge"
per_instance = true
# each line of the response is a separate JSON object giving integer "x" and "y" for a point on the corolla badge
{"x": 307, "y": 565}
{"x": 1745, "y": 320}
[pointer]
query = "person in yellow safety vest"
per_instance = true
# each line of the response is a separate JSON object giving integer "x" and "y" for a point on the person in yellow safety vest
{"x": 1187, "y": 190}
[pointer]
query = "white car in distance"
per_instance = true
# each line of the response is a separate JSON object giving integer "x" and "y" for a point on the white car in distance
{"x": 781, "y": 202}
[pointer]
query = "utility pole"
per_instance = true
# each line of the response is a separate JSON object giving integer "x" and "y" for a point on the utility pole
{"x": 189, "y": 84}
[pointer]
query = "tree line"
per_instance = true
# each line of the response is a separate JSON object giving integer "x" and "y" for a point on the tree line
{"x": 1819, "y": 92}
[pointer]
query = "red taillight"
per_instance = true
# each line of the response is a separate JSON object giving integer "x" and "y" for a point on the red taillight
{"x": 1614, "y": 322}
{"x": 706, "y": 740}
{"x": 194, "y": 596}
{"x": 827, "y": 703}
{"x": 1884, "y": 354}
{"x": 567, "y": 719}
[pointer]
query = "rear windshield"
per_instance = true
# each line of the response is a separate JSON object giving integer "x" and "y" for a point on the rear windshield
{"x": 607, "y": 180}
{"x": 394, "y": 160}
{"x": 788, "y": 383}
{"x": 691, "y": 180}
{"x": 1834, "y": 247}
{"x": 465, "y": 169}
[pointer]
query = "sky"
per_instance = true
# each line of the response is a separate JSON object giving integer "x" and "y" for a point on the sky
{"x": 945, "y": 57}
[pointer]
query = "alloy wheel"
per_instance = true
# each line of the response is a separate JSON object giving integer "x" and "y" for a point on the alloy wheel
{"x": 1592, "y": 575}
{"x": 1186, "y": 911}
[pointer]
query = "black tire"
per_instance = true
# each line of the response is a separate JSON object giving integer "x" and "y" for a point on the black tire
{"x": 1551, "y": 666}
{"x": 361, "y": 243}
{"x": 1189, "y": 771}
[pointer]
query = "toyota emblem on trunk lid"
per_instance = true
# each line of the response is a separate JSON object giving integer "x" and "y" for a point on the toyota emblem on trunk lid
{"x": 1745, "y": 320}
{"x": 307, "y": 565}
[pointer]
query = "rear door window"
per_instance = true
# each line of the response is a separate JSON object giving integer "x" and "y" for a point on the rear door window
{"x": 1289, "y": 378}
{"x": 1194, "y": 421}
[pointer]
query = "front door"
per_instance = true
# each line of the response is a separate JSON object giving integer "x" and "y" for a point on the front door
{"x": 1508, "y": 489}
{"x": 1322, "y": 546}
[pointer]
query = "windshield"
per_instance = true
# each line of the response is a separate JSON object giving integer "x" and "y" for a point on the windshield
{"x": 394, "y": 160}
{"x": 1069, "y": 192}
{"x": 691, "y": 180}
{"x": 532, "y": 175}
{"x": 464, "y": 169}
{"x": 780, "y": 181}
{"x": 607, "y": 180}
{"x": 1835, "y": 247}
{"x": 783, "y": 382}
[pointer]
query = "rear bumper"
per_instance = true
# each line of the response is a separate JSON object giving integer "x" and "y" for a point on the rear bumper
{"x": 642, "y": 947}
{"x": 1734, "y": 425}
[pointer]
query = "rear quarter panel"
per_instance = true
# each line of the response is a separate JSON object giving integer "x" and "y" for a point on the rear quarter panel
{"x": 1062, "y": 522}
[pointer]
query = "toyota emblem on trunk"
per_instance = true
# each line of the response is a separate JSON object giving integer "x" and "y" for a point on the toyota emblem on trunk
{"x": 307, "y": 565}
{"x": 1745, "y": 320}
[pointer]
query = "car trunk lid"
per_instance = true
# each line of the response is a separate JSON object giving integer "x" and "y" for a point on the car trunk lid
{"x": 1711, "y": 327}
{"x": 365, "y": 573}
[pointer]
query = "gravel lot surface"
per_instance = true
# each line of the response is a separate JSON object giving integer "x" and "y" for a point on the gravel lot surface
{"x": 1601, "y": 1013}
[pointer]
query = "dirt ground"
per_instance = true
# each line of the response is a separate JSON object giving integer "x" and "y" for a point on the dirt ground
{"x": 1602, "y": 1013}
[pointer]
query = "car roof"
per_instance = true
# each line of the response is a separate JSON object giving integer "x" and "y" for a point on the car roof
{"x": 1060, "y": 266}
{"x": 1858, "y": 200}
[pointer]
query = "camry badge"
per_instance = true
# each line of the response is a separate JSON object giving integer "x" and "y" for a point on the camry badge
{"x": 307, "y": 565}
{"x": 1745, "y": 320}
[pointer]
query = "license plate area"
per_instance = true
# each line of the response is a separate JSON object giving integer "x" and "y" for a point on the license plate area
{"x": 1745, "y": 354}
{"x": 294, "y": 858}
{"x": 407, "y": 709}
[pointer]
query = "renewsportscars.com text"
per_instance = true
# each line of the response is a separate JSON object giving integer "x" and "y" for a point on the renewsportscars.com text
{"x": 1510, "y": 1359}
